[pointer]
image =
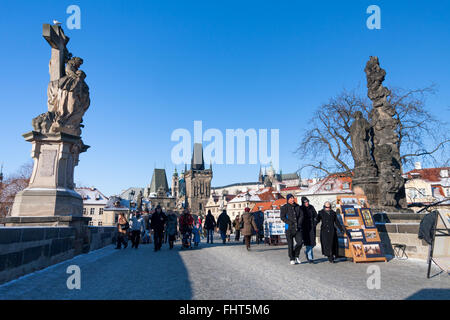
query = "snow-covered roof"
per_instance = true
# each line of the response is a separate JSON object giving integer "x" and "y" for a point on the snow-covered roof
{"x": 333, "y": 184}
{"x": 256, "y": 195}
{"x": 92, "y": 196}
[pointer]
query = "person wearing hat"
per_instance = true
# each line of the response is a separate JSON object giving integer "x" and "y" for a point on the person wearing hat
{"x": 223, "y": 224}
{"x": 309, "y": 228}
{"x": 292, "y": 215}
{"x": 248, "y": 226}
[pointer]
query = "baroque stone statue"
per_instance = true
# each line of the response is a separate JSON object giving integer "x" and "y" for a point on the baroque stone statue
{"x": 386, "y": 151}
{"x": 56, "y": 139}
{"x": 68, "y": 93}
{"x": 361, "y": 137}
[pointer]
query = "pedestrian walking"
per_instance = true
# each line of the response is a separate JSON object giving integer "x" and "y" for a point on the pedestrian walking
{"x": 259, "y": 220}
{"x": 186, "y": 226}
{"x": 210, "y": 224}
{"x": 328, "y": 231}
{"x": 309, "y": 228}
{"x": 172, "y": 225}
{"x": 249, "y": 226}
{"x": 197, "y": 229}
{"x": 122, "y": 228}
{"x": 137, "y": 227}
{"x": 157, "y": 223}
{"x": 292, "y": 215}
{"x": 224, "y": 224}
{"x": 237, "y": 227}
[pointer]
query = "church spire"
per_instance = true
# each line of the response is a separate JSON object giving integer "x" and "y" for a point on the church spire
{"x": 197, "y": 162}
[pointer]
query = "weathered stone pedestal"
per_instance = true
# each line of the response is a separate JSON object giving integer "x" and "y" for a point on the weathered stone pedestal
{"x": 51, "y": 192}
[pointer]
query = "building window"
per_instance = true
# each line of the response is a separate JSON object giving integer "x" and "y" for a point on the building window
{"x": 100, "y": 211}
{"x": 100, "y": 223}
{"x": 84, "y": 211}
{"x": 346, "y": 186}
{"x": 91, "y": 223}
{"x": 92, "y": 211}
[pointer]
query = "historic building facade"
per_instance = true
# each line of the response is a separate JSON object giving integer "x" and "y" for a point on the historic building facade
{"x": 198, "y": 182}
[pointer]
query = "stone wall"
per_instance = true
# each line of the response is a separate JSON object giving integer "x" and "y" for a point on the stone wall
{"x": 27, "y": 249}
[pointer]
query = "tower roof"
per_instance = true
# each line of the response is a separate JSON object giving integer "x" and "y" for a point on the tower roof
{"x": 159, "y": 179}
{"x": 197, "y": 162}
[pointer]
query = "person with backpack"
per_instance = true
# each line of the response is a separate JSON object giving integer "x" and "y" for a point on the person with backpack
{"x": 210, "y": 224}
{"x": 158, "y": 223}
{"x": 224, "y": 224}
{"x": 122, "y": 228}
{"x": 249, "y": 226}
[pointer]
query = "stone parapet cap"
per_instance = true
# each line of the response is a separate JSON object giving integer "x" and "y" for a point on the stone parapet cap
{"x": 44, "y": 219}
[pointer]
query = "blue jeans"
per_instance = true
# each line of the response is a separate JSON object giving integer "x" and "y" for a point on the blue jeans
{"x": 223, "y": 234}
{"x": 210, "y": 235}
{"x": 309, "y": 252}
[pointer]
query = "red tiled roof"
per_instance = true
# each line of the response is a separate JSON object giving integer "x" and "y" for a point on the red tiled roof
{"x": 268, "y": 205}
{"x": 429, "y": 174}
{"x": 290, "y": 188}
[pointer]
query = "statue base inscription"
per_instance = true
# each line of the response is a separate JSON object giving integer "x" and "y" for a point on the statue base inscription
{"x": 51, "y": 188}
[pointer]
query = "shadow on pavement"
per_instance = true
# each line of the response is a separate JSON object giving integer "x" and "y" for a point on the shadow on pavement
{"x": 431, "y": 294}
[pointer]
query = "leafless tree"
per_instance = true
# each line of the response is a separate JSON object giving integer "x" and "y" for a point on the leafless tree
{"x": 326, "y": 144}
{"x": 12, "y": 185}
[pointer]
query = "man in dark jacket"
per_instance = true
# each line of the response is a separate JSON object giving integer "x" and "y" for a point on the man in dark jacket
{"x": 158, "y": 223}
{"x": 293, "y": 217}
{"x": 259, "y": 220}
{"x": 309, "y": 228}
{"x": 328, "y": 231}
{"x": 223, "y": 223}
{"x": 210, "y": 224}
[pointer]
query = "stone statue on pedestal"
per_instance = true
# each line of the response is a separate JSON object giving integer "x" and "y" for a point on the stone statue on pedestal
{"x": 378, "y": 169}
{"x": 56, "y": 141}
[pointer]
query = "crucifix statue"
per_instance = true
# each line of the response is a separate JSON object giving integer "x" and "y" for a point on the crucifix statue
{"x": 55, "y": 36}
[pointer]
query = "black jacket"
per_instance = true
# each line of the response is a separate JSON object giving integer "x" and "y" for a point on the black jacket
{"x": 426, "y": 228}
{"x": 293, "y": 216}
{"x": 328, "y": 232}
{"x": 224, "y": 222}
{"x": 158, "y": 221}
{"x": 309, "y": 225}
{"x": 210, "y": 222}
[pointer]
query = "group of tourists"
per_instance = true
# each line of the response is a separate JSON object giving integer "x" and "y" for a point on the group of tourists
{"x": 301, "y": 221}
{"x": 189, "y": 228}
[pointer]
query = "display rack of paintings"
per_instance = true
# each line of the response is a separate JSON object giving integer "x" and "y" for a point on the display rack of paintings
{"x": 362, "y": 241}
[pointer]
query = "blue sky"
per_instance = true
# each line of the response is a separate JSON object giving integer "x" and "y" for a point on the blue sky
{"x": 155, "y": 66}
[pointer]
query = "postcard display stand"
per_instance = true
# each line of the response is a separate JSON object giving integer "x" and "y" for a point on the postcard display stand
{"x": 362, "y": 241}
{"x": 274, "y": 228}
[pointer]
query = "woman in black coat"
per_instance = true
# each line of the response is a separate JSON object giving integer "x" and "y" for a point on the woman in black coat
{"x": 309, "y": 228}
{"x": 328, "y": 232}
